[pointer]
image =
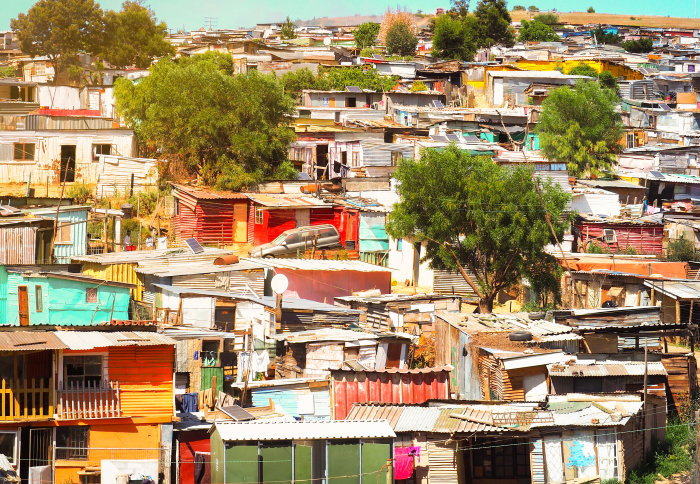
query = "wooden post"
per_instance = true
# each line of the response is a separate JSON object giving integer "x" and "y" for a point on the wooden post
{"x": 389, "y": 471}
{"x": 678, "y": 317}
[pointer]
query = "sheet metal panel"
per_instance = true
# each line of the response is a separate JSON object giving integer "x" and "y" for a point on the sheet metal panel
{"x": 17, "y": 245}
{"x": 264, "y": 430}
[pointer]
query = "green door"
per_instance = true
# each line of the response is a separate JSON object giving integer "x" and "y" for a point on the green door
{"x": 207, "y": 375}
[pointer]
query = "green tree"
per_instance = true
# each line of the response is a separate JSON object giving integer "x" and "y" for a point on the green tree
{"x": 60, "y": 29}
{"x": 580, "y": 127}
{"x": 400, "y": 40}
{"x": 296, "y": 81}
{"x": 455, "y": 38}
{"x": 133, "y": 37}
{"x": 638, "y": 46}
{"x": 680, "y": 250}
{"x": 229, "y": 130}
{"x": 602, "y": 36}
{"x": 288, "y": 29}
{"x": 366, "y": 34}
{"x": 591, "y": 9}
{"x": 533, "y": 8}
{"x": 536, "y": 32}
{"x": 494, "y": 18}
{"x": 583, "y": 70}
{"x": 418, "y": 86}
{"x": 608, "y": 80}
{"x": 7, "y": 71}
{"x": 339, "y": 78}
{"x": 518, "y": 8}
{"x": 477, "y": 216}
{"x": 547, "y": 18}
{"x": 459, "y": 9}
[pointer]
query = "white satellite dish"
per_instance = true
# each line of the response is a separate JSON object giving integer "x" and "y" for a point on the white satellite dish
{"x": 326, "y": 41}
{"x": 279, "y": 283}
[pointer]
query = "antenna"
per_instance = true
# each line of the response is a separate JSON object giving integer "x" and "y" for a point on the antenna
{"x": 211, "y": 21}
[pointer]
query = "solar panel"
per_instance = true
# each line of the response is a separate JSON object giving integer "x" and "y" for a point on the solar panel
{"x": 664, "y": 106}
{"x": 377, "y": 57}
{"x": 453, "y": 137}
{"x": 437, "y": 137}
{"x": 657, "y": 174}
{"x": 438, "y": 104}
{"x": 194, "y": 246}
{"x": 353, "y": 89}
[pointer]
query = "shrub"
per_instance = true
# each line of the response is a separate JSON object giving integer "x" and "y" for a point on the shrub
{"x": 145, "y": 202}
{"x": 418, "y": 86}
{"x": 547, "y": 18}
{"x": 591, "y": 9}
{"x": 517, "y": 8}
{"x": 680, "y": 250}
{"x": 79, "y": 193}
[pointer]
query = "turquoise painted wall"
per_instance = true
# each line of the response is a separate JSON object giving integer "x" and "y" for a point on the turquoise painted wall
{"x": 64, "y": 302}
{"x": 78, "y": 245}
{"x": 3, "y": 294}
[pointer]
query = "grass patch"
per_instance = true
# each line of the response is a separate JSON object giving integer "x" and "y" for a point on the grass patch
{"x": 672, "y": 456}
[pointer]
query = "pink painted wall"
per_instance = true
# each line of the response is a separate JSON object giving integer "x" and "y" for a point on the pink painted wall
{"x": 325, "y": 286}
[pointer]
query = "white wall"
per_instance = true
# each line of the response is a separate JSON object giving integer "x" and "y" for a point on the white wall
{"x": 59, "y": 97}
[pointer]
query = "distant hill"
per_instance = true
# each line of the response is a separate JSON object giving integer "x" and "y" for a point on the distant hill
{"x": 583, "y": 18}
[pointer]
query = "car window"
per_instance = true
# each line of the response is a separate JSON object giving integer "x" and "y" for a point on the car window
{"x": 293, "y": 239}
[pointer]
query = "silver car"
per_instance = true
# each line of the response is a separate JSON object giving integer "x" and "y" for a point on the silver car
{"x": 299, "y": 239}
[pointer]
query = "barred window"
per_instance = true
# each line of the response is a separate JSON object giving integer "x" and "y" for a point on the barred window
{"x": 72, "y": 442}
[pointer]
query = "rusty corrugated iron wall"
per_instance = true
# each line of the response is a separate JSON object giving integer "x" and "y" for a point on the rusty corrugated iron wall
{"x": 643, "y": 238}
{"x": 390, "y": 386}
{"x": 18, "y": 245}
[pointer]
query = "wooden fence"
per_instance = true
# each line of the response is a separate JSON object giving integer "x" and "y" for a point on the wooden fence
{"x": 88, "y": 400}
{"x": 25, "y": 399}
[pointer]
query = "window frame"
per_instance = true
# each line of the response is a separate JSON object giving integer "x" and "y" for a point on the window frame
{"x": 13, "y": 459}
{"x": 259, "y": 216}
{"x": 24, "y": 151}
{"x": 75, "y": 452}
{"x": 103, "y": 367}
{"x": 60, "y": 236}
{"x": 96, "y": 155}
{"x": 39, "y": 298}
{"x": 89, "y": 293}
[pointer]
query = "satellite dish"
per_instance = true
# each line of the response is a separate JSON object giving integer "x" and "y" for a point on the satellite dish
{"x": 326, "y": 41}
{"x": 279, "y": 283}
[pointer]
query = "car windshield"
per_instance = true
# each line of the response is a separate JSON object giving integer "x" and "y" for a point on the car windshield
{"x": 279, "y": 239}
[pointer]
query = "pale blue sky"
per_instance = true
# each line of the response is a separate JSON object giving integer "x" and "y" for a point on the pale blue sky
{"x": 237, "y": 13}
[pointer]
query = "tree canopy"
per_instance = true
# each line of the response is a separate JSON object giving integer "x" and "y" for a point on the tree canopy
{"x": 400, "y": 40}
{"x": 582, "y": 69}
{"x": 547, "y": 18}
{"x": 605, "y": 36}
{"x": 132, "y": 37}
{"x": 229, "y": 130}
{"x": 535, "y": 31}
{"x": 494, "y": 19}
{"x": 60, "y": 29}
{"x": 638, "y": 46}
{"x": 580, "y": 127}
{"x": 288, "y": 29}
{"x": 459, "y": 8}
{"x": 336, "y": 79}
{"x": 366, "y": 34}
{"x": 455, "y": 38}
{"x": 476, "y": 216}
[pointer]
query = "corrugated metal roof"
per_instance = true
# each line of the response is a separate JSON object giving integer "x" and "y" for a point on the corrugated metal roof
{"x": 136, "y": 256}
{"x": 167, "y": 270}
{"x": 30, "y": 341}
{"x": 207, "y": 194}
{"x": 87, "y": 340}
{"x": 326, "y": 334}
{"x": 320, "y": 265}
{"x": 676, "y": 289}
{"x": 334, "y": 429}
{"x": 390, "y": 413}
{"x": 286, "y": 201}
{"x": 606, "y": 368}
{"x": 417, "y": 419}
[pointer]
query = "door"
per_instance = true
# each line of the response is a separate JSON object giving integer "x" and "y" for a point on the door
{"x": 302, "y": 217}
{"x": 23, "y": 295}
{"x": 68, "y": 163}
{"x": 35, "y": 455}
{"x": 535, "y": 387}
{"x": 240, "y": 222}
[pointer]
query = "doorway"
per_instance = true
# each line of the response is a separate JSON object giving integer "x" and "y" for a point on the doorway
{"x": 35, "y": 454}
{"x": 67, "y": 163}
{"x": 321, "y": 162}
{"x": 23, "y": 295}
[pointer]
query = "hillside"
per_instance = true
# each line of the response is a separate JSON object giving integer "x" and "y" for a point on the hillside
{"x": 583, "y": 18}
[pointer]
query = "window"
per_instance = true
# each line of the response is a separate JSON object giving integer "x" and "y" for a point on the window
{"x": 399, "y": 244}
{"x": 396, "y": 156}
{"x": 72, "y": 442}
{"x": 39, "y": 298}
{"x": 40, "y": 68}
{"x": 81, "y": 370}
{"x": 258, "y": 216}
{"x": 8, "y": 445}
{"x": 90, "y": 294}
{"x": 506, "y": 462}
{"x": 64, "y": 233}
{"x": 24, "y": 152}
{"x": 98, "y": 150}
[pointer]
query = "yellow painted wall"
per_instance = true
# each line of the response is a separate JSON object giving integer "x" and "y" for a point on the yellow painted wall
{"x": 116, "y": 272}
{"x": 599, "y": 65}
{"x": 112, "y": 441}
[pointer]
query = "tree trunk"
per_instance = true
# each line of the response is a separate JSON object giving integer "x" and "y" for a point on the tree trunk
{"x": 486, "y": 304}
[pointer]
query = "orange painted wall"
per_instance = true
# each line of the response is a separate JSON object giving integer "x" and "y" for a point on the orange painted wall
{"x": 113, "y": 441}
{"x": 145, "y": 376}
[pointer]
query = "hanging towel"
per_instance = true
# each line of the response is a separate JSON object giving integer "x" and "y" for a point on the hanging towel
{"x": 403, "y": 463}
{"x": 190, "y": 402}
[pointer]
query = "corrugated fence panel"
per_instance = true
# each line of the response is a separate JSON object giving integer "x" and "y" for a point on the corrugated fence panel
{"x": 537, "y": 462}
{"x": 452, "y": 282}
{"x": 442, "y": 463}
{"x": 145, "y": 375}
{"x": 17, "y": 245}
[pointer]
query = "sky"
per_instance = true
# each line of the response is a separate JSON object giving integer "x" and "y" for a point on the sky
{"x": 192, "y": 14}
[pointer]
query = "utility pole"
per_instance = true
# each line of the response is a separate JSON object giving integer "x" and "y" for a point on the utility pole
{"x": 211, "y": 21}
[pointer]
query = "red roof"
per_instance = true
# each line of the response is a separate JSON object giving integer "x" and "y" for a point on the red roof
{"x": 69, "y": 112}
{"x": 209, "y": 194}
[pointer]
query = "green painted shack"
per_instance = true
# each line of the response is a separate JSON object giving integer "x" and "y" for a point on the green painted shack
{"x": 337, "y": 451}
{"x": 34, "y": 296}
